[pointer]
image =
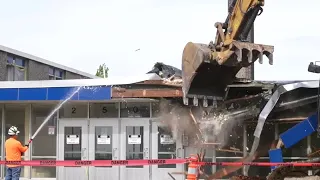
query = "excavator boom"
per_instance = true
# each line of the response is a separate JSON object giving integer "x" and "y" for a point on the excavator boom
{"x": 207, "y": 69}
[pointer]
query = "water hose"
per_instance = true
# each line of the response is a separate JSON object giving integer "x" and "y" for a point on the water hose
{"x": 52, "y": 113}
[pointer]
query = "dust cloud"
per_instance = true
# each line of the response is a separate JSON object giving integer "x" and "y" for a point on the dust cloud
{"x": 202, "y": 125}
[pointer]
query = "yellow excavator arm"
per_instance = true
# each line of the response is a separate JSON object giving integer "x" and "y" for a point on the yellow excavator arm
{"x": 240, "y": 21}
{"x": 208, "y": 68}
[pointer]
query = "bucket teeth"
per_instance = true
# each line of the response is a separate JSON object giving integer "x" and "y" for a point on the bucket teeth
{"x": 270, "y": 57}
{"x": 250, "y": 57}
{"x": 239, "y": 55}
{"x": 186, "y": 101}
{"x": 195, "y": 101}
{"x": 260, "y": 57}
{"x": 248, "y": 53}
{"x": 205, "y": 101}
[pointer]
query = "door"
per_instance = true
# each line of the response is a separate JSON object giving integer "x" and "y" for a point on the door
{"x": 134, "y": 145}
{"x": 104, "y": 145}
{"x": 73, "y": 145}
{"x": 164, "y": 146}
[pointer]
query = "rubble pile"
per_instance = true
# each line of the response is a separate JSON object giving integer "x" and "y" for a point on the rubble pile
{"x": 169, "y": 74}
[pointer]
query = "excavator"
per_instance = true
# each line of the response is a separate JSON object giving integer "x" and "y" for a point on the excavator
{"x": 207, "y": 69}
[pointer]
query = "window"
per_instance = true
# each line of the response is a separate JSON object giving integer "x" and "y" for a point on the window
{"x": 74, "y": 110}
{"x": 104, "y": 110}
{"x": 47, "y": 135}
{"x": 16, "y": 70}
{"x": 55, "y": 74}
{"x": 135, "y": 110}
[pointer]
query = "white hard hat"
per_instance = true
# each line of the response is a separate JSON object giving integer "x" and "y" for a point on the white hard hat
{"x": 13, "y": 131}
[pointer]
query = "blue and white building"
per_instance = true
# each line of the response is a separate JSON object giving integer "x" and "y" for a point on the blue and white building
{"x": 109, "y": 120}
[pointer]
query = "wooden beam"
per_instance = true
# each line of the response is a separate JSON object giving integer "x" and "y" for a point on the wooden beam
{"x": 144, "y": 93}
{"x": 161, "y": 82}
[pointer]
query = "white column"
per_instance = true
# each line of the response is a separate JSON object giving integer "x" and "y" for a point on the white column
{"x": 27, "y": 128}
{"x": 3, "y": 138}
{"x": 214, "y": 159}
{"x": 309, "y": 150}
{"x": 244, "y": 147}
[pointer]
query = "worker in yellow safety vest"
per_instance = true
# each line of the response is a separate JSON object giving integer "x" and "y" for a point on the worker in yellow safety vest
{"x": 14, "y": 151}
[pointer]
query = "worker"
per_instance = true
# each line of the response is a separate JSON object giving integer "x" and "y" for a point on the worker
{"x": 14, "y": 151}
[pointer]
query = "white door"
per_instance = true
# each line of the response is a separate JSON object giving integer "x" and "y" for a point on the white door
{"x": 165, "y": 147}
{"x": 73, "y": 145}
{"x": 134, "y": 145}
{"x": 104, "y": 145}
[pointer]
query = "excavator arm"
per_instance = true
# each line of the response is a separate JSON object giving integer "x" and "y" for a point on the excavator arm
{"x": 208, "y": 69}
{"x": 240, "y": 21}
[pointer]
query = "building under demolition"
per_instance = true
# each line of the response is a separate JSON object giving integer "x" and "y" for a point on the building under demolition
{"x": 144, "y": 118}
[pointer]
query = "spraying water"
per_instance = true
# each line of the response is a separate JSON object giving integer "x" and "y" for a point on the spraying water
{"x": 54, "y": 111}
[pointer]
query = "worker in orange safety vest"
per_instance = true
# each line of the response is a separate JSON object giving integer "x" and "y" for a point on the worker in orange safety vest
{"x": 14, "y": 150}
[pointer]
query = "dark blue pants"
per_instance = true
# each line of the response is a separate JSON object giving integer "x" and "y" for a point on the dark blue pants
{"x": 13, "y": 173}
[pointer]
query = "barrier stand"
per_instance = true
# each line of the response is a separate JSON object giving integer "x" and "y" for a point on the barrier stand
{"x": 193, "y": 168}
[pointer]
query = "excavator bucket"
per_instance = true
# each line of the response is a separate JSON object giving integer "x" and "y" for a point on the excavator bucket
{"x": 207, "y": 73}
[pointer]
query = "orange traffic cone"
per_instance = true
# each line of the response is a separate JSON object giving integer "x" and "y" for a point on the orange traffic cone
{"x": 193, "y": 168}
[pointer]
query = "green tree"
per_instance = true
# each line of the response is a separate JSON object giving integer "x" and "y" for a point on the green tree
{"x": 102, "y": 67}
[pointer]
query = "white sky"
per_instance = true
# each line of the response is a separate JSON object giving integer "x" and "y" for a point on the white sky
{"x": 83, "y": 34}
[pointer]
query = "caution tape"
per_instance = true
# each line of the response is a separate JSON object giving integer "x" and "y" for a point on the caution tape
{"x": 301, "y": 164}
{"x": 75, "y": 163}
{"x": 105, "y": 163}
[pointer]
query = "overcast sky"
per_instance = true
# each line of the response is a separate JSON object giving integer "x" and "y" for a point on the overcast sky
{"x": 83, "y": 34}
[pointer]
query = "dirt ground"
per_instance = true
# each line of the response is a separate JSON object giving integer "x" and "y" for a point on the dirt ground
{"x": 305, "y": 178}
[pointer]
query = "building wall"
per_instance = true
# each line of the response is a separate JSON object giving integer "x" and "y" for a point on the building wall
{"x": 37, "y": 71}
{"x": 3, "y": 65}
{"x": 238, "y": 137}
{"x": 70, "y": 75}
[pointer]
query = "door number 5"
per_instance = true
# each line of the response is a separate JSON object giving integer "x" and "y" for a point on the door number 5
{"x": 104, "y": 110}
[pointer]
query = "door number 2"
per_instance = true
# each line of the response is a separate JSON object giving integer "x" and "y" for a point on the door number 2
{"x": 73, "y": 110}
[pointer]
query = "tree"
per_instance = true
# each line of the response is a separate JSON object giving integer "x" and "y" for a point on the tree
{"x": 102, "y": 67}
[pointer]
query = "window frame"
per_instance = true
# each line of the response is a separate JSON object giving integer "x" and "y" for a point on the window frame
{"x": 15, "y": 65}
{"x": 53, "y": 75}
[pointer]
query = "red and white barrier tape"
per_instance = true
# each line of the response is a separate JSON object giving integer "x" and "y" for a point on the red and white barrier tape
{"x": 71, "y": 163}
{"x": 257, "y": 164}
{"x": 95, "y": 162}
